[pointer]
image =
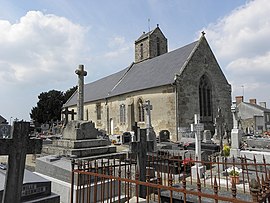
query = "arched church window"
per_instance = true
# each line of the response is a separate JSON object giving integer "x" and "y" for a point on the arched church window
{"x": 140, "y": 111}
{"x": 205, "y": 97}
{"x": 158, "y": 46}
{"x": 141, "y": 51}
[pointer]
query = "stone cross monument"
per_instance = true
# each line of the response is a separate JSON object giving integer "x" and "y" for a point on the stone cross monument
{"x": 198, "y": 168}
{"x": 81, "y": 74}
{"x": 16, "y": 149}
{"x": 140, "y": 147}
{"x": 236, "y": 134}
{"x": 151, "y": 136}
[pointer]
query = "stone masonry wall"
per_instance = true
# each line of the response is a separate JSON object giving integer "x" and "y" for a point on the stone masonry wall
{"x": 202, "y": 62}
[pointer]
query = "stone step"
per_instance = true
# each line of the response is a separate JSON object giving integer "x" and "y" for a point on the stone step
{"x": 82, "y": 152}
{"x": 77, "y": 144}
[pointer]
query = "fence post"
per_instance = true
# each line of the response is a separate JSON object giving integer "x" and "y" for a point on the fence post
{"x": 254, "y": 190}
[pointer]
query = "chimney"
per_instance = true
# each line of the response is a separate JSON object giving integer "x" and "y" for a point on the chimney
{"x": 262, "y": 104}
{"x": 239, "y": 99}
{"x": 252, "y": 101}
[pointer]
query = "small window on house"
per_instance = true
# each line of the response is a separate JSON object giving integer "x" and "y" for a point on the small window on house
{"x": 98, "y": 110}
{"x": 140, "y": 111}
{"x": 122, "y": 114}
{"x": 141, "y": 51}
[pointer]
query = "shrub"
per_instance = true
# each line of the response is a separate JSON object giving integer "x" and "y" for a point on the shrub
{"x": 226, "y": 150}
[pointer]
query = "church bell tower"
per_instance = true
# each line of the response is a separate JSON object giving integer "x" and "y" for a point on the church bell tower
{"x": 150, "y": 45}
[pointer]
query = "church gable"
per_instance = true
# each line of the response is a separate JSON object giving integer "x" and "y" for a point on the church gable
{"x": 203, "y": 87}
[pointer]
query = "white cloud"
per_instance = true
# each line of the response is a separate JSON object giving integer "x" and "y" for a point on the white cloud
{"x": 39, "y": 49}
{"x": 241, "y": 43}
{"x": 119, "y": 47}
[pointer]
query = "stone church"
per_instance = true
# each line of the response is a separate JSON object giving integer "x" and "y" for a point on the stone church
{"x": 178, "y": 84}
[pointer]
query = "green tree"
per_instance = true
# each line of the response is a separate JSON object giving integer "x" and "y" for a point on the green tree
{"x": 50, "y": 105}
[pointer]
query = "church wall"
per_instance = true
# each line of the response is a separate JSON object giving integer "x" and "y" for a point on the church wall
{"x": 163, "y": 114}
{"x": 145, "y": 44}
{"x": 153, "y": 44}
{"x": 202, "y": 62}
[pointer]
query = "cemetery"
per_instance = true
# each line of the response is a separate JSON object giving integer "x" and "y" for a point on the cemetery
{"x": 80, "y": 165}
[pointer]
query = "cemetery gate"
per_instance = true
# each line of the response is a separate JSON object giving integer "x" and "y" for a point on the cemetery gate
{"x": 169, "y": 179}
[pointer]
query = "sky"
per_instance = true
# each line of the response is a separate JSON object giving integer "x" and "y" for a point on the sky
{"x": 42, "y": 42}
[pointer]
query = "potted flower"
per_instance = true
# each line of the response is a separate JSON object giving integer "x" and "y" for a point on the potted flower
{"x": 234, "y": 175}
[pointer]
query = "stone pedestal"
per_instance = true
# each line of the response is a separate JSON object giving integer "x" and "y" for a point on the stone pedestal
{"x": 235, "y": 153}
{"x": 79, "y": 140}
{"x": 197, "y": 169}
{"x": 236, "y": 137}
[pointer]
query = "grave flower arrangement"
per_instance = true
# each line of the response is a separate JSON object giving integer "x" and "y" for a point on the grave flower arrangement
{"x": 234, "y": 173}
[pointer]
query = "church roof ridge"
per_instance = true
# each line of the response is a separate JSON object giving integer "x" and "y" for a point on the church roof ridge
{"x": 155, "y": 72}
{"x": 146, "y": 34}
{"x": 257, "y": 106}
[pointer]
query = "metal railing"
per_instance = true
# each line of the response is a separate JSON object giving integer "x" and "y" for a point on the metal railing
{"x": 169, "y": 178}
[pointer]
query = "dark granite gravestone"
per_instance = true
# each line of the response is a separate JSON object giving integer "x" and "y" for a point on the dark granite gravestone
{"x": 140, "y": 148}
{"x": 34, "y": 188}
{"x": 164, "y": 136}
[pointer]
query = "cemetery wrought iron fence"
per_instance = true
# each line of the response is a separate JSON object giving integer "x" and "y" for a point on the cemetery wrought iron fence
{"x": 169, "y": 178}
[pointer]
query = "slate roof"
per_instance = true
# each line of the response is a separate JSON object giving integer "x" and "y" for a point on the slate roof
{"x": 256, "y": 106}
{"x": 147, "y": 74}
{"x": 2, "y": 119}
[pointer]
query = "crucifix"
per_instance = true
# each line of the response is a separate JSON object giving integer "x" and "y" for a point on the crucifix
{"x": 16, "y": 148}
{"x": 81, "y": 74}
{"x": 148, "y": 107}
{"x": 66, "y": 112}
{"x": 150, "y": 134}
{"x": 199, "y": 127}
{"x": 140, "y": 148}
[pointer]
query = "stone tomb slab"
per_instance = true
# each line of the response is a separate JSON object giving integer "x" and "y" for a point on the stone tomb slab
{"x": 81, "y": 152}
{"x": 80, "y": 130}
{"x": 76, "y": 144}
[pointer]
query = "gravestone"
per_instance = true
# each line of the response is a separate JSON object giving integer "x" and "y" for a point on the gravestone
{"x": 5, "y": 130}
{"x": 66, "y": 112}
{"x": 236, "y": 133}
{"x": 164, "y": 136}
{"x": 207, "y": 136}
{"x": 198, "y": 168}
{"x": 16, "y": 148}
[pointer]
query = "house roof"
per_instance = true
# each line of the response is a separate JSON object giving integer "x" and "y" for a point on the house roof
{"x": 2, "y": 119}
{"x": 256, "y": 106}
{"x": 147, "y": 74}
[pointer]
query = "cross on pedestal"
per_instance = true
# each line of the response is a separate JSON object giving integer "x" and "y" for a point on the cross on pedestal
{"x": 66, "y": 112}
{"x": 148, "y": 107}
{"x": 81, "y": 73}
{"x": 151, "y": 136}
{"x": 198, "y": 127}
{"x": 16, "y": 149}
{"x": 140, "y": 148}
